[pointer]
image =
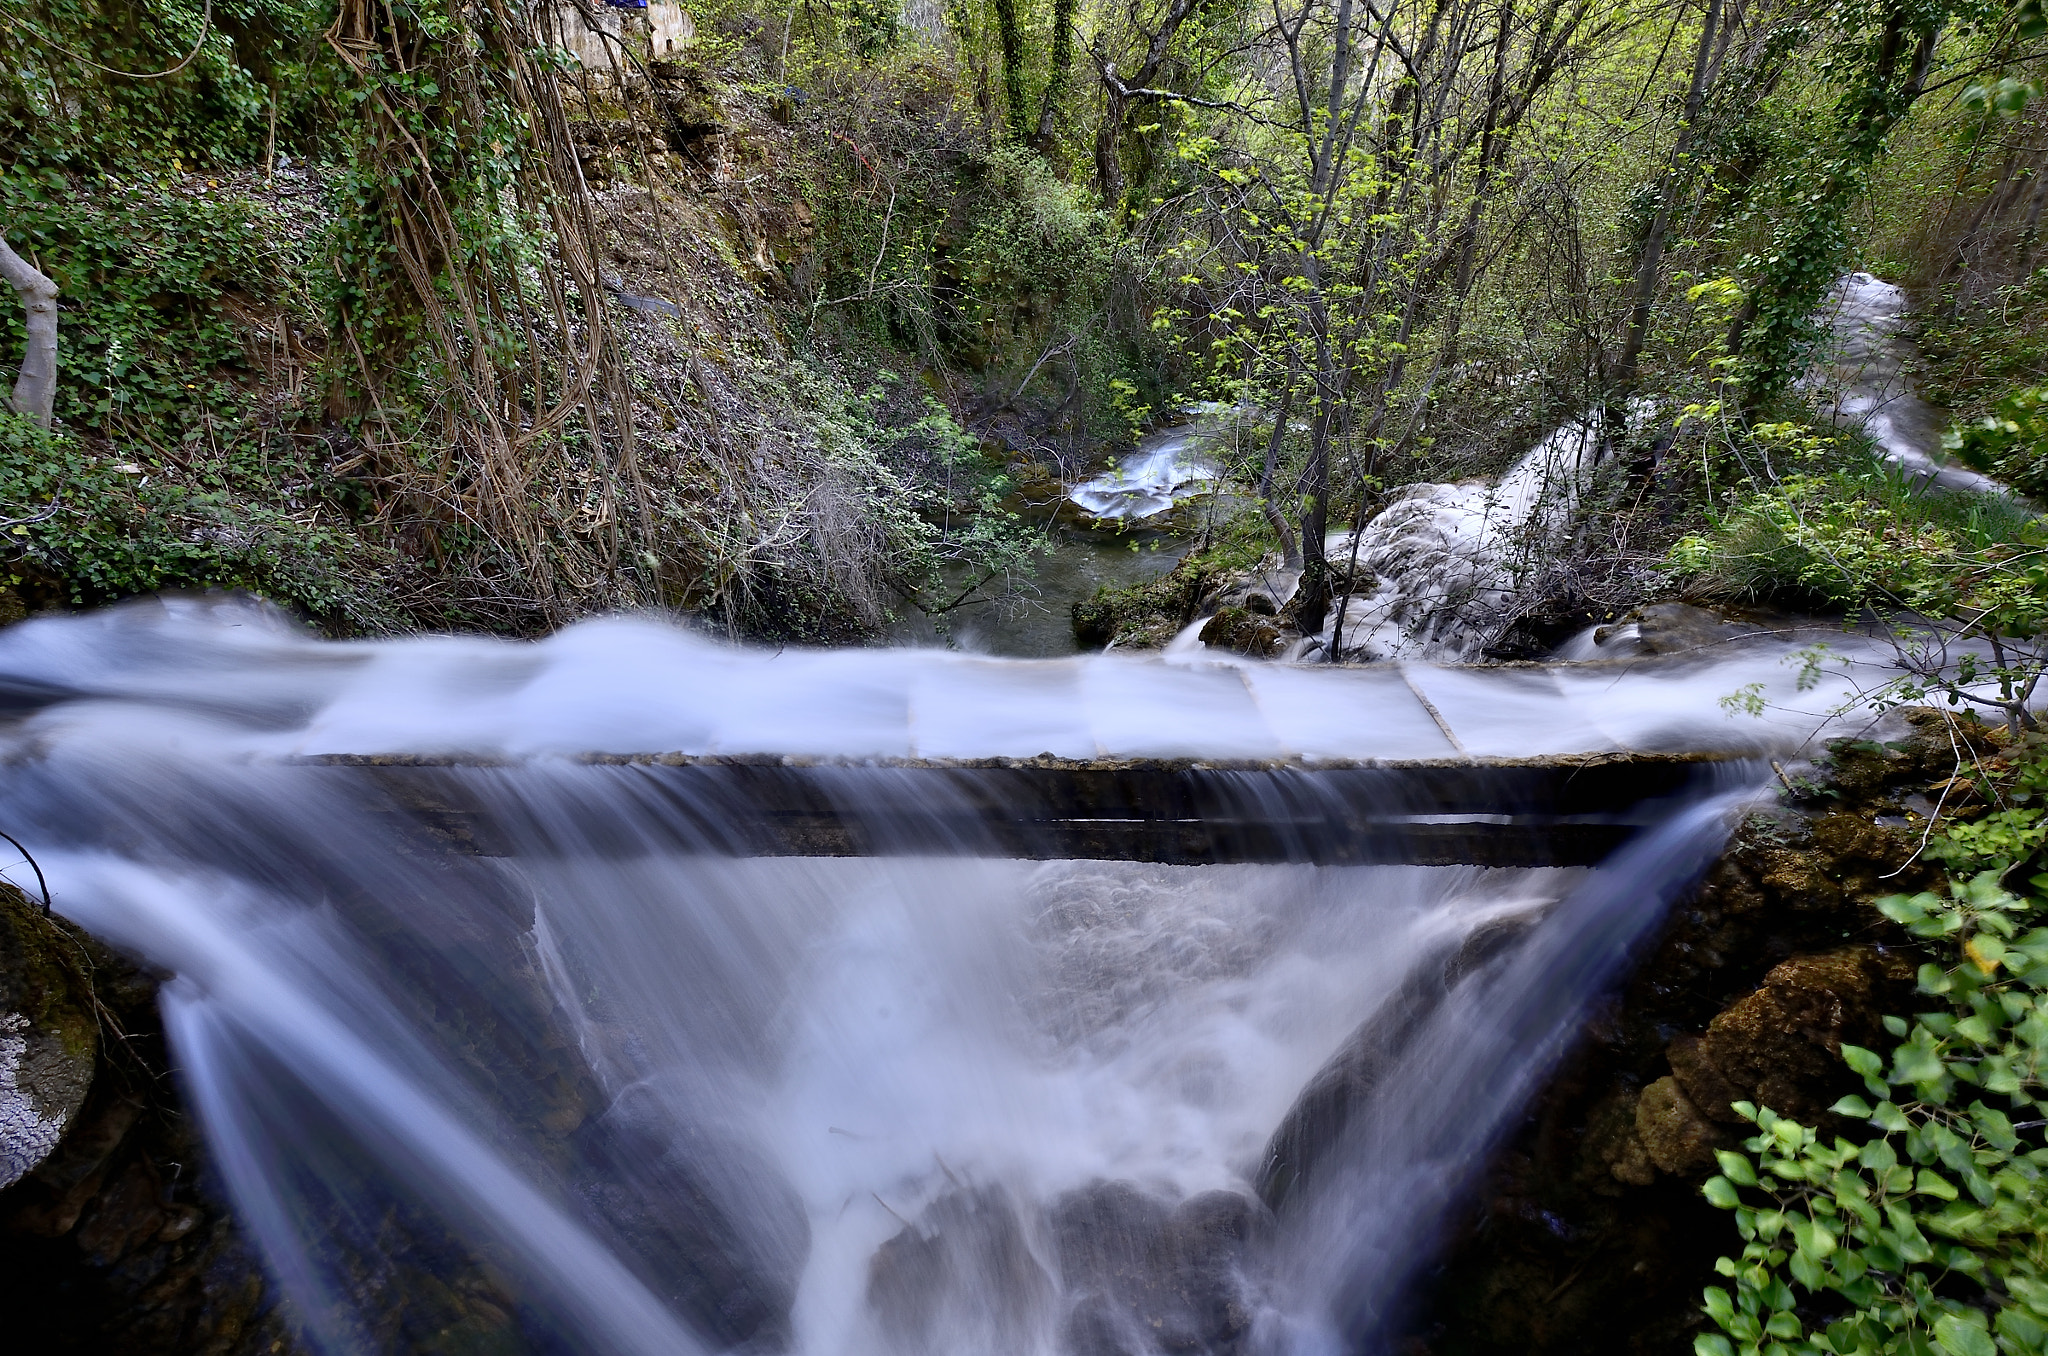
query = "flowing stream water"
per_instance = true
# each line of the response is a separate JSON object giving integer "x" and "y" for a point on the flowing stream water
{"x": 597, "y": 1080}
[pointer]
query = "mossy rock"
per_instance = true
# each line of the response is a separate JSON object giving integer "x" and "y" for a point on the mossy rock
{"x": 1144, "y": 615}
{"x": 48, "y": 1035}
{"x": 1244, "y": 631}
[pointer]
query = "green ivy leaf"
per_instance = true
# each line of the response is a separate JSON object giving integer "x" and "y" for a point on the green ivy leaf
{"x": 1959, "y": 1338}
{"x": 1736, "y": 1168}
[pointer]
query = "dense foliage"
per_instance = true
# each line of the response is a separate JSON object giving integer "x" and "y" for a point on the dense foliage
{"x": 1926, "y": 1228}
{"x": 402, "y": 240}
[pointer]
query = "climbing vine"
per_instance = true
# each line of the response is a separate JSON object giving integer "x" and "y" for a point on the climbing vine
{"x": 493, "y": 403}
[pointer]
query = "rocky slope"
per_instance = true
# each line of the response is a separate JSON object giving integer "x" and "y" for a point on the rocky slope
{"x": 1592, "y": 1235}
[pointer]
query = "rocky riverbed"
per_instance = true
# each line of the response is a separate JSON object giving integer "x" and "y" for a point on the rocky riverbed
{"x": 113, "y": 1237}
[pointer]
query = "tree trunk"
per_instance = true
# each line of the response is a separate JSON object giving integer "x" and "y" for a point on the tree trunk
{"x": 1290, "y": 546}
{"x": 1010, "y": 39}
{"x": 1649, "y": 263}
{"x": 35, "y": 390}
{"x": 1059, "y": 81}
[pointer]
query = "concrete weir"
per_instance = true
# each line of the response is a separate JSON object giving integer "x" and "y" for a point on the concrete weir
{"x": 1568, "y": 810}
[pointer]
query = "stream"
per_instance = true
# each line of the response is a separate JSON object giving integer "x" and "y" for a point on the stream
{"x": 598, "y": 1080}
{"x": 536, "y": 1049}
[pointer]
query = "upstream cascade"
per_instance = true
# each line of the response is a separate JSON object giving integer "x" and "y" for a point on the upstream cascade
{"x": 604, "y": 1084}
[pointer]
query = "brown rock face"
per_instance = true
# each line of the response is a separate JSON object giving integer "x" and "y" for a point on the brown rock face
{"x": 1673, "y": 1133}
{"x": 1244, "y": 631}
{"x": 1595, "y": 1236}
{"x": 1781, "y": 1046}
{"x": 1673, "y": 628}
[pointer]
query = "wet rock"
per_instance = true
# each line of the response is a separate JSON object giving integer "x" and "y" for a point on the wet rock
{"x": 1781, "y": 1046}
{"x": 1147, "y": 614}
{"x": 1675, "y": 628}
{"x": 1673, "y": 1133}
{"x": 1612, "y": 1142}
{"x": 1322, "y": 1114}
{"x": 1244, "y": 631}
{"x": 1146, "y": 1277}
{"x": 1595, "y": 1237}
{"x": 48, "y": 1035}
{"x": 725, "y": 1237}
{"x": 963, "y": 1273}
{"x": 115, "y": 1241}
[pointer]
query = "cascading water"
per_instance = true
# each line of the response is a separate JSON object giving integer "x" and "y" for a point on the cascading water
{"x": 568, "y": 1072}
{"x": 1863, "y": 379}
{"x": 1164, "y": 469}
{"x": 1437, "y": 571}
{"x": 1436, "y": 574}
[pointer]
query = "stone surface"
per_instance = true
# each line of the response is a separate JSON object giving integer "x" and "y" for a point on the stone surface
{"x": 1674, "y": 628}
{"x": 1675, "y": 1136}
{"x": 1244, "y": 631}
{"x": 1143, "y": 1276}
{"x": 48, "y": 1035}
{"x": 1781, "y": 1046}
{"x": 1591, "y": 1237}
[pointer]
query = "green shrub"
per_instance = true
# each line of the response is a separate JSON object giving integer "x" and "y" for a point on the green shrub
{"x": 1929, "y": 1233}
{"x": 2010, "y": 443}
{"x": 253, "y": 81}
{"x": 1859, "y": 535}
{"x": 143, "y": 268}
{"x": 108, "y": 528}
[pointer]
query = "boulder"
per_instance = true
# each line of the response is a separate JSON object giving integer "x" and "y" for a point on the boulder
{"x": 1673, "y": 1133}
{"x": 49, "y": 1037}
{"x": 113, "y": 1241}
{"x": 1781, "y": 1046}
{"x": 964, "y": 1264}
{"x": 1244, "y": 631}
{"x": 1146, "y": 1276}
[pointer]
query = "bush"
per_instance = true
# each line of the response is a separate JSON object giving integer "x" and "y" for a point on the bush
{"x": 2010, "y": 443}
{"x": 1930, "y": 1234}
{"x": 107, "y": 528}
{"x": 1856, "y": 536}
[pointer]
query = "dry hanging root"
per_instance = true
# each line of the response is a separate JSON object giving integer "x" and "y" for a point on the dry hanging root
{"x": 477, "y": 318}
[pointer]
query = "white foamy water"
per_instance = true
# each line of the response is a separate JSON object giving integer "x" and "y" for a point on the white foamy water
{"x": 617, "y": 1089}
{"x": 1446, "y": 563}
{"x": 1164, "y": 469}
{"x": 241, "y": 680}
{"x": 1863, "y": 380}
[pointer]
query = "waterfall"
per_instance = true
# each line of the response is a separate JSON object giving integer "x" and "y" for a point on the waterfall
{"x": 1862, "y": 378}
{"x": 1436, "y": 573}
{"x": 568, "y": 1071}
{"x": 1165, "y": 468}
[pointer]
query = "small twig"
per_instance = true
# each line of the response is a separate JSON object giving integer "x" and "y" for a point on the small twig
{"x": 55, "y": 506}
{"x": 1934, "y": 818}
{"x": 1779, "y": 768}
{"x": 41, "y": 884}
{"x": 891, "y": 1209}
